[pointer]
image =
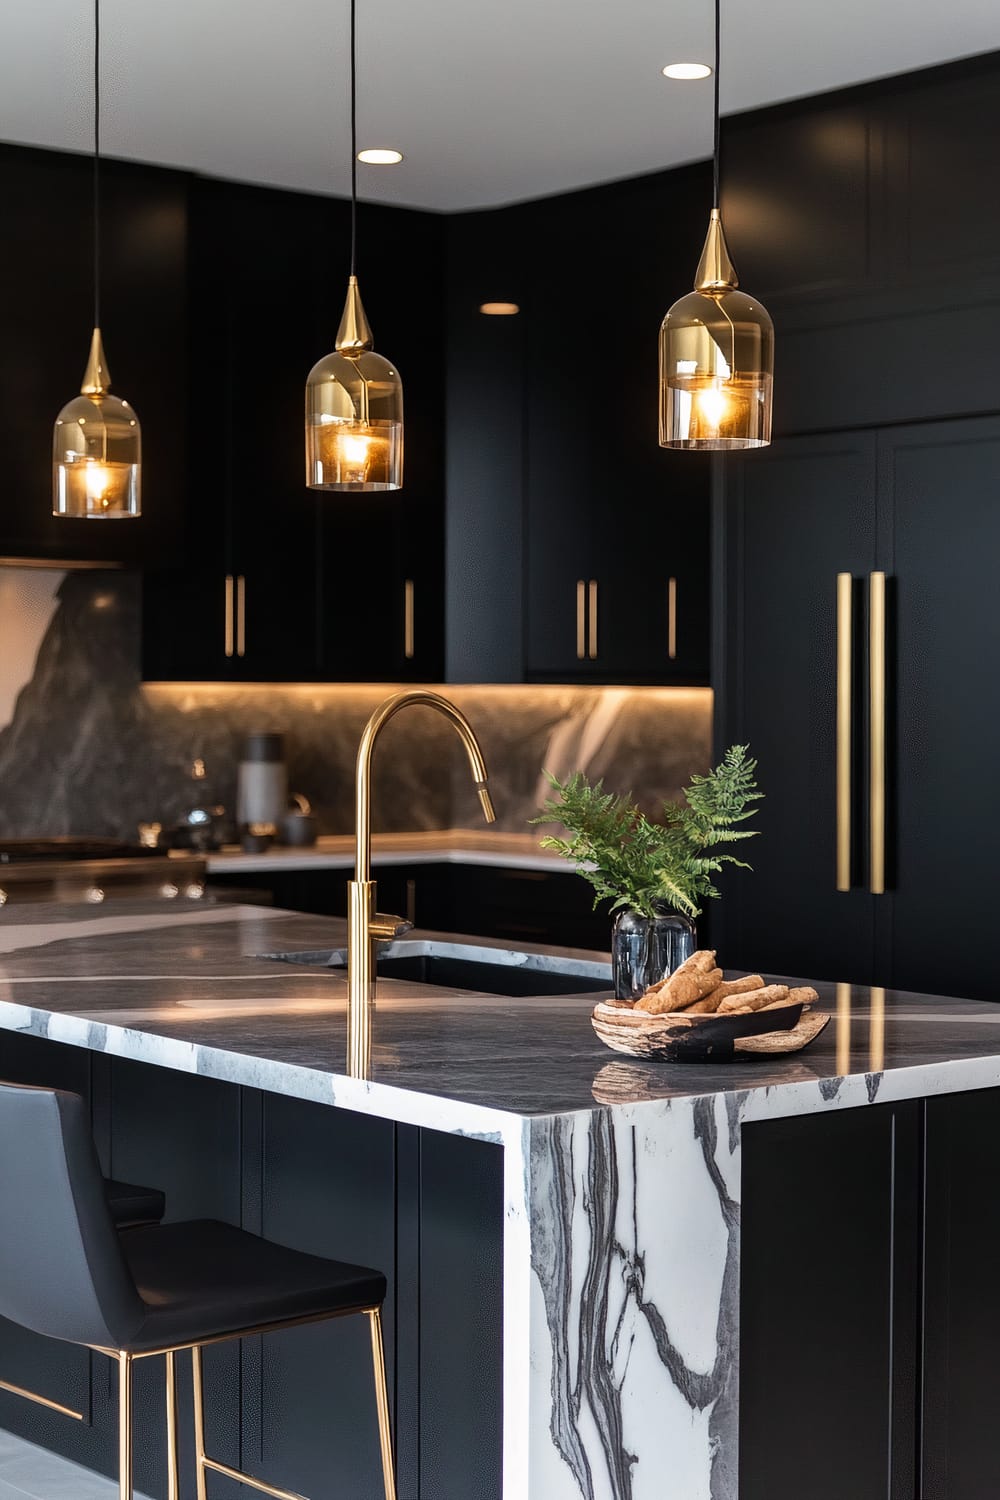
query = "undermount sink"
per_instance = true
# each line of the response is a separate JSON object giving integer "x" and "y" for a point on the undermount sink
{"x": 465, "y": 966}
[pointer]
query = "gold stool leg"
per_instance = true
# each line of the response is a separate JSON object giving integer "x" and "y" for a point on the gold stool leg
{"x": 124, "y": 1425}
{"x": 173, "y": 1474}
{"x": 199, "y": 1424}
{"x": 382, "y": 1400}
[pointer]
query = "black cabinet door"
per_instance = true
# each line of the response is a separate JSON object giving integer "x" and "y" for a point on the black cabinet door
{"x": 829, "y": 1307}
{"x": 961, "y": 1306}
{"x": 938, "y": 483}
{"x": 45, "y": 265}
{"x": 616, "y": 528}
{"x": 796, "y": 516}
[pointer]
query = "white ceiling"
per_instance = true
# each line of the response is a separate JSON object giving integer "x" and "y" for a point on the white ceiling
{"x": 491, "y": 100}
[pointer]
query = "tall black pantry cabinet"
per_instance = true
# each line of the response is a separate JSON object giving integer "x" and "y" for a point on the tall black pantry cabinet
{"x": 916, "y": 505}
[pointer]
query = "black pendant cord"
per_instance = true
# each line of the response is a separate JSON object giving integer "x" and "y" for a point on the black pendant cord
{"x": 354, "y": 134}
{"x": 97, "y": 163}
{"x": 716, "y": 145}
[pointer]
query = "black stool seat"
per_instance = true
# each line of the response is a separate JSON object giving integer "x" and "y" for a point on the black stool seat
{"x": 131, "y": 1204}
{"x": 201, "y": 1279}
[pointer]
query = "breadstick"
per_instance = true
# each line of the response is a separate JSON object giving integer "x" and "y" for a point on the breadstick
{"x": 755, "y": 1000}
{"x": 737, "y": 987}
{"x": 699, "y": 960}
{"x": 689, "y": 987}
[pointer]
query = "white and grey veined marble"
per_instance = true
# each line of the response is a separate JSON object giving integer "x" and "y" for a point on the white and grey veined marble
{"x": 622, "y": 1180}
{"x": 89, "y": 750}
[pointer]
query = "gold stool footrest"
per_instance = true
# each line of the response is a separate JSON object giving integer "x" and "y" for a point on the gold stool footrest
{"x": 255, "y": 1484}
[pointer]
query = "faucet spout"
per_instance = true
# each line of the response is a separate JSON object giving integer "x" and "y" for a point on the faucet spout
{"x": 364, "y": 924}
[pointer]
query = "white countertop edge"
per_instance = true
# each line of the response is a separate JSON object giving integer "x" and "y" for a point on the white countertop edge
{"x": 767, "y": 1101}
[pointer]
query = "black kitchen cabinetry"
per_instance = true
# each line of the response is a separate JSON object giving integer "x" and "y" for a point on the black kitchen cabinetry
{"x": 46, "y": 265}
{"x": 475, "y": 900}
{"x": 868, "y": 1279}
{"x": 281, "y": 583}
{"x": 961, "y": 1309}
{"x": 587, "y": 541}
{"x": 829, "y": 1326}
{"x": 917, "y": 503}
{"x": 424, "y": 1207}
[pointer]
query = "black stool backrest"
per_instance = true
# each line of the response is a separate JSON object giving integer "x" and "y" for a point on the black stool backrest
{"x": 62, "y": 1272}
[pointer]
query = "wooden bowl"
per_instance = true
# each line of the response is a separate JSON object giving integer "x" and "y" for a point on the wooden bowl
{"x": 677, "y": 1037}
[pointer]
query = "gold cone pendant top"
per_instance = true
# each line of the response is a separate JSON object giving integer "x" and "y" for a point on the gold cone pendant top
{"x": 96, "y": 377}
{"x": 715, "y": 273}
{"x": 354, "y": 335}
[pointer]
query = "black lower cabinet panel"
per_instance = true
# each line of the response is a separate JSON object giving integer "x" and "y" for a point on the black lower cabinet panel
{"x": 532, "y": 906}
{"x": 961, "y": 1444}
{"x": 296, "y": 1408}
{"x": 828, "y": 1307}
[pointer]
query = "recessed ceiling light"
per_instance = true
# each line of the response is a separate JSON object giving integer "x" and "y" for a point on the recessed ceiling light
{"x": 380, "y": 157}
{"x": 687, "y": 70}
{"x": 499, "y": 309}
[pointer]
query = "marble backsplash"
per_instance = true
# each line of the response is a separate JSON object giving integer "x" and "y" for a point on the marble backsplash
{"x": 88, "y": 749}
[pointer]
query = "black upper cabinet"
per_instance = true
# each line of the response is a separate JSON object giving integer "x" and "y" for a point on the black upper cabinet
{"x": 283, "y": 583}
{"x": 800, "y": 187}
{"x": 583, "y": 546}
{"x": 46, "y": 266}
{"x": 616, "y": 528}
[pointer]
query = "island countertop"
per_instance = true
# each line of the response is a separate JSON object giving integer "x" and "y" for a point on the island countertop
{"x": 622, "y": 1180}
{"x": 188, "y": 989}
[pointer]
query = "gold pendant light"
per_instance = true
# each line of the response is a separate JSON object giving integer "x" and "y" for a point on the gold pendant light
{"x": 354, "y": 397}
{"x": 97, "y": 442}
{"x": 716, "y": 347}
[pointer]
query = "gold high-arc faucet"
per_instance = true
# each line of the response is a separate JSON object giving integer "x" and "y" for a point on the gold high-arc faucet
{"x": 366, "y": 925}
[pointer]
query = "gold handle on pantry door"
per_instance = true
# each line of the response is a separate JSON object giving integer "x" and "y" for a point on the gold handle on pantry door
{"x": 877, "y": 749}
{"x": 408, "y": 620}
{"x": 581, "y": 615}
{"x": 672, "y": 618}
{"x": 845, "y": 683}
{"x": 592, "y": 638}
{"x": 228, "y": 630}
{"x": 241, "y": 615}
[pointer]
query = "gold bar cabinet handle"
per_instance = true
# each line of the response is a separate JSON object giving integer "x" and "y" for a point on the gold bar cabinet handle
{"x": 581, "y": 629}
{"x": 672, "y": 618}
{"x": 228, "y": 633}
{"x": 845, "y": 683}
{"x": 877, "y": 625}
{"x": 592, "y": 642}
{"x": 241, "y": 615}
{"x": 409, "y": 647}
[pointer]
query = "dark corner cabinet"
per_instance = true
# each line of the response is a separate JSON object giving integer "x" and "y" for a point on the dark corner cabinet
{"x": 281, "y": 583}
{"x": 577, "y": 547}
{"x": 46, "y": 266}
{"x": 869, "y": 1305}
{"x": 911, "y": 495}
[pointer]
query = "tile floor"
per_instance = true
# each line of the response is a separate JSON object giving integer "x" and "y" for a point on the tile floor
{"x": 29, "y": 1473}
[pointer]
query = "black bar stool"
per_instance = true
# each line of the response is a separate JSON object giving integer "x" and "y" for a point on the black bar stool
{"x": 130, "y": 1206}
{"x": 65, "y": 1271}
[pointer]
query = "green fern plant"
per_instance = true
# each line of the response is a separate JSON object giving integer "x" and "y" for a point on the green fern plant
{"x": 633, "y": 862}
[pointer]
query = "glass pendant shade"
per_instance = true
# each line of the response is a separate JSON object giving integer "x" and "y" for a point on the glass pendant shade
{"x": 96, "y": 450}
{"x": 716, "y": 360}
{"x": 354, "y": 411}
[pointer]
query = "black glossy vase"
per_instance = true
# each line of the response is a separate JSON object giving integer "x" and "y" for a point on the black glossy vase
{"x": 645, "y": 950}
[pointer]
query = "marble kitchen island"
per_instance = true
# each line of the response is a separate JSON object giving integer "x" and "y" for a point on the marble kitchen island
{"x": 616, "y": 1196}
